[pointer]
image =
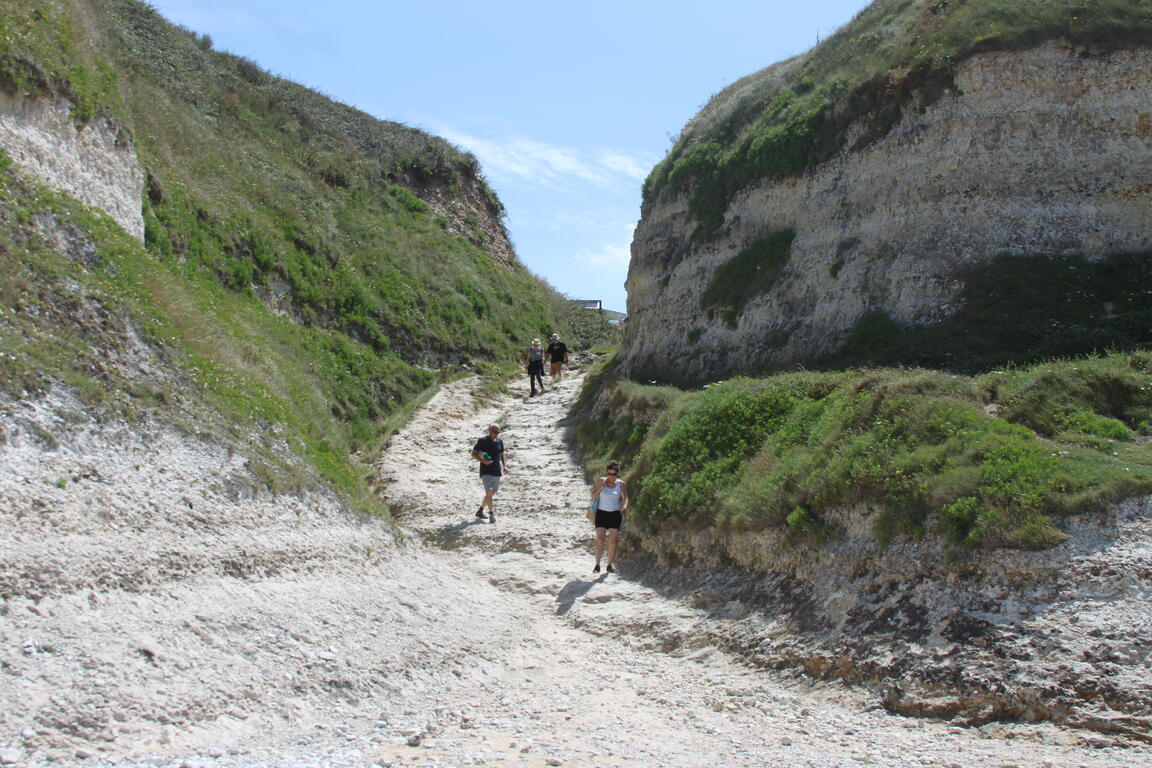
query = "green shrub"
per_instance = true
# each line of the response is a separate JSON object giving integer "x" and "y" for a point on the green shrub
{"x": 407, "y": 200}
{"x": 1018, "y": 309}
{"x": 1103, "y": 396}
{"x": 748, "y": 274}
{"x": 924, "y": 451}
{"x": 614, "y": 417}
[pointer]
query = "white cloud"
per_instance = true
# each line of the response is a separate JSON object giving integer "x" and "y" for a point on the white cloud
{"x": 547, "y": 164}
{"x": 632, "y": 167}
{"x": 611, "y": 256}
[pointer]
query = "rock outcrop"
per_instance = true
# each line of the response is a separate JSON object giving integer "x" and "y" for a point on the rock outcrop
{"x": 1061, "y": 635}
{"x": 96, "y": 163}
{"x": 1042, "y": 152}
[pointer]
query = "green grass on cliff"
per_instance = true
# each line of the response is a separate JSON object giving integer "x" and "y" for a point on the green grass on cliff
{"x": 746, "y": 275}
{"x": 42, "y": 51}
{"x": 307, "y": 272}
{"x": 778, "y": 122}
{"x": 992, "y": 461}
{"x": 135, "y": 337}
{"x": 1018, "y": 309}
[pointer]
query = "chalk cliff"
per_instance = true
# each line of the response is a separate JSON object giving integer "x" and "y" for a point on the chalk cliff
{"x": 96, "y": 163}
{"x": 1044, "y": 151}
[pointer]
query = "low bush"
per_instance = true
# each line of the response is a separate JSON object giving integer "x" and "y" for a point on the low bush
{"x": 748, "y": 274}
{"x": 994, "y": 461}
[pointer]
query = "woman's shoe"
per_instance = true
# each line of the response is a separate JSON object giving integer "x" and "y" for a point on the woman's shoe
{"x": 596, "y": 569}
{"x": 610, "y": 569}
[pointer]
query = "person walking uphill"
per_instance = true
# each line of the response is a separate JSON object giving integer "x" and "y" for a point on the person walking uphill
{"x": 612, "y": 503}
{"x": 489, "y": 451}
{"x": 535, "y": 362}
{"x": 558, "y": 355}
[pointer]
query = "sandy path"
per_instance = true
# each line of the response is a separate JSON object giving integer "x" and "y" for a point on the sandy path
{"x": 603, "y": 670}
{"x": 256, "y": 630}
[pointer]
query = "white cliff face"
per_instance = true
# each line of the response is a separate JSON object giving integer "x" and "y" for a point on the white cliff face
{"x": 96, "y": 163}
{"x": 1046, "y": 151}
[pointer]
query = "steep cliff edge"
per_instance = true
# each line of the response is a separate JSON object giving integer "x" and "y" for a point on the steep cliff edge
{"x": 1042, "y": 153}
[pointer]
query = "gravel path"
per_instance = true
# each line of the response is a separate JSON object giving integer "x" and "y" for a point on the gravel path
{"x": 607, "y": 671}
{"x": 157, "y": 609}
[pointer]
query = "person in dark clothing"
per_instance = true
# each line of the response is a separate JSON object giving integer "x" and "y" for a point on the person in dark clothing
{"x": 558, "y": 354}
{"x": 489, "y": 451}
{"x": 535, "y": 360}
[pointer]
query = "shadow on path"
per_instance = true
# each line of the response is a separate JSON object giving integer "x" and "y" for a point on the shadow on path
{"x": 572, "y": 591}
{"x": 449, "y": 536}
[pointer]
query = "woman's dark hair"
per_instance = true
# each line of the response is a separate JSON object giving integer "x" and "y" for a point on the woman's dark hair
{"x": 613, "y": 465}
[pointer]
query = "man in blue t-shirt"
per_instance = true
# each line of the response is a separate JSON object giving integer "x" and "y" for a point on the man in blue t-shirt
{"x": 489, "y": 451}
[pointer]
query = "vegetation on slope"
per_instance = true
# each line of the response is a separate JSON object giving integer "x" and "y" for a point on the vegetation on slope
{"x": 991, "y": 461}
{"x": 780, "y": 121}
{"x": 307, "y": 271}
{"x": 1017, "y": 309}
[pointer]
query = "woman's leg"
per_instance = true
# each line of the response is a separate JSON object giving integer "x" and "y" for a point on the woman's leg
{"x": 599, "y": 545}
{"x": 613, "y": 535}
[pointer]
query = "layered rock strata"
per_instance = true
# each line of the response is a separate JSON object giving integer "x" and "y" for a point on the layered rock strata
{"x": 1062, "y": 635}
{"x": 1040, "y": 152}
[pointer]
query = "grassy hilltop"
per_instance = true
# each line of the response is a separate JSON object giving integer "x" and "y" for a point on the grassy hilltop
{"x": 307, "y": 269}
{"x": 780, "y": 121}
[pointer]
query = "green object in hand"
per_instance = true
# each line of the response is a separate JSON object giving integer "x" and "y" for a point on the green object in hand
{"x": 484, "y": 456}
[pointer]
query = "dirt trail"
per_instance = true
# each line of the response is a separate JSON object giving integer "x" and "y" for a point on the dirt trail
{"x": 157, "y": 608}
{"x": 605, "y": 670}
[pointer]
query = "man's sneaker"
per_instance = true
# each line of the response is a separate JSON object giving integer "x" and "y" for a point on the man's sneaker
{"x": 596, "y": 569}
{"x": 480, "y": 514}
{"x": 492, "y": 517}
{"x": 611, "y": 569}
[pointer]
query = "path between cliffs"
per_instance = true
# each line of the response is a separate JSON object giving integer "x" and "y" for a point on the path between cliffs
{"x": 572, "y": 668}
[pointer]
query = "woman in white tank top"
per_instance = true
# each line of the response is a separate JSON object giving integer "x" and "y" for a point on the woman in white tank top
{"x": 611, "y": 504}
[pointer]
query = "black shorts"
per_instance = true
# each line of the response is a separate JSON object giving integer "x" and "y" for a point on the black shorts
{"x": 606, "y": 519}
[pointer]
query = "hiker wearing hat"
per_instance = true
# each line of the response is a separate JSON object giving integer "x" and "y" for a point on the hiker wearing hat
{"x": 535, "y": 366}
{"x": 558, "y": 353}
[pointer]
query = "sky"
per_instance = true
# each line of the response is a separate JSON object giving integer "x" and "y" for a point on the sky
{"x": 567, "y": 105}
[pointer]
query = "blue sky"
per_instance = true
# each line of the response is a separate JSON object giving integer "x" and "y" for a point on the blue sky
{"x": 568, "y": 106}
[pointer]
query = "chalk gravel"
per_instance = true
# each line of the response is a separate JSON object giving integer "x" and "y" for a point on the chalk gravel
{"x": 160, "y": 610}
